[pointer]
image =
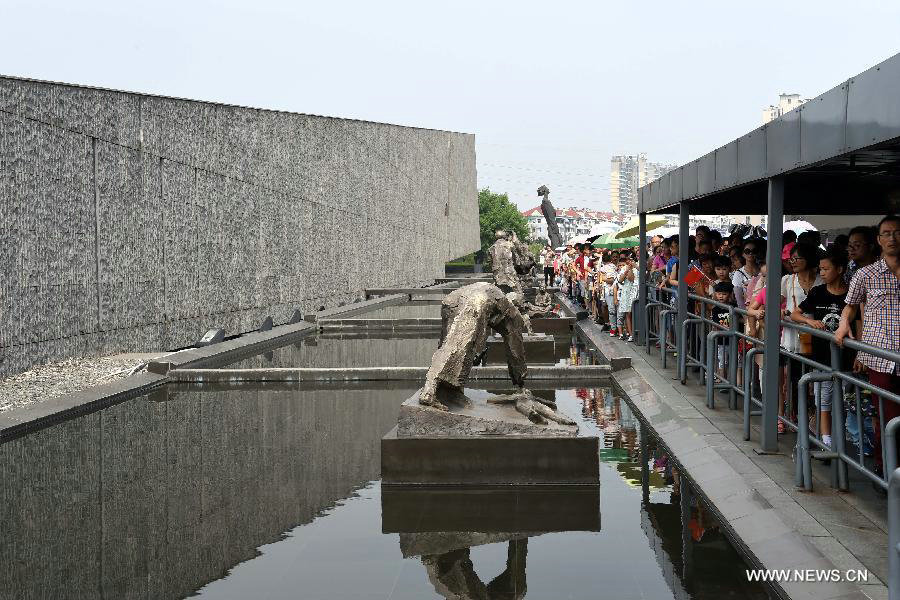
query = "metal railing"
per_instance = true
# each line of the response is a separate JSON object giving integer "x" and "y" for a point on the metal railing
{"x": 890, "y": 444}
{"x": 713, "y": 350}
{"x": 700, "y": 334}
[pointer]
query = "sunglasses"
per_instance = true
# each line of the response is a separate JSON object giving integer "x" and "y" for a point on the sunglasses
{"x": 749, "y": 250}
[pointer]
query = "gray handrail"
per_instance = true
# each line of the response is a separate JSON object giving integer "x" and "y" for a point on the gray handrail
{"x": 802, "y": 462}
{"x": 894, "y": 535}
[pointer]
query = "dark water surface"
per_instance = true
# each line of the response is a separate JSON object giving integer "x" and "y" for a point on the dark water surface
{"x": 275, "y": 494}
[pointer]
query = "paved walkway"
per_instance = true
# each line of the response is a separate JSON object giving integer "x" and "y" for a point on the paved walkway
{"x": 755, "y": 496}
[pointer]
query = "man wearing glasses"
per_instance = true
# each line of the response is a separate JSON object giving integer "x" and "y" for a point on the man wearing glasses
{"x": 877, "y": 287}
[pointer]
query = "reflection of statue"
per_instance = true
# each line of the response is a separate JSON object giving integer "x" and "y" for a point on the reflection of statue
{"x": 503, "y": 263}
{"x": 466, "y": 315}
{"x": 453, "y": 575}
{"x": 549, "y": 217}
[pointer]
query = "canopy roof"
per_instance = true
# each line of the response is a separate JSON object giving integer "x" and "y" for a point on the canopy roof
{"x": 839, "y": 154}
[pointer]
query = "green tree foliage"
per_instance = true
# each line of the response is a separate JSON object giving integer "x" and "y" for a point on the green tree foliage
{"x": 495, "y": 211}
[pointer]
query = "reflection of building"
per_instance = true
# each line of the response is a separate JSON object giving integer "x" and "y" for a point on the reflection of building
{"x": 627, "y": 174}
{"x": 786, "y": 103}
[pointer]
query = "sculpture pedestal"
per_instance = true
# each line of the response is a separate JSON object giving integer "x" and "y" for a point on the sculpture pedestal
{"x": 484, "y": 444}
{"x": 478, "y": 419}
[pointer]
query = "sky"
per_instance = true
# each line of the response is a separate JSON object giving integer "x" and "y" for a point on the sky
{"x": 551, "y": 90}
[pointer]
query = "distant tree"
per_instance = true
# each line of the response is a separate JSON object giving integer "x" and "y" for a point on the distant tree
{"x": 495, "y": 211}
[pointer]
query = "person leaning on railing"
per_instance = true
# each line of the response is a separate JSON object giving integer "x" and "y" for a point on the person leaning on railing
{"x": 877, "y": 288}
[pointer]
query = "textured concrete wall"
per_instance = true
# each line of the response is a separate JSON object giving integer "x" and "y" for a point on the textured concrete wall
{"x": 154, "y": 499}
{"x": 136, "y": 222}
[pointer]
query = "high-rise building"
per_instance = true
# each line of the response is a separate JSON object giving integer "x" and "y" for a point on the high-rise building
{"x": 627, "y": 175}
{"x": 786, "y": 103}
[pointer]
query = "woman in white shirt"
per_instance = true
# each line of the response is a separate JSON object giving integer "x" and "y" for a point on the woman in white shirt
{"x": 804, "y": 262}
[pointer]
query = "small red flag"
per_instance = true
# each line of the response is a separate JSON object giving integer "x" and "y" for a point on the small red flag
{"x": 693, "y": 276}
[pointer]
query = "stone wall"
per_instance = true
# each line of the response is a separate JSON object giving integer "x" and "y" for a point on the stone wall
{"x": 134, "y": 222}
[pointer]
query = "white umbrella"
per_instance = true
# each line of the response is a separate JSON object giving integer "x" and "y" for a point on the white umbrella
{"x": 603, "y": 227}
{"x": 578, "y": 239}
{"x": 799, "y": 227}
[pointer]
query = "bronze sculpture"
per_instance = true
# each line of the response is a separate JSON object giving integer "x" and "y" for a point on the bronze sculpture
{"x": 549, "y": 216}
{"x": 466, "y": 316}
{"x": 503, "y": 262}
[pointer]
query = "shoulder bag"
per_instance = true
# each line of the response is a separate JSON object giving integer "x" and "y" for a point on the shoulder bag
{"x": 804, "y": 339}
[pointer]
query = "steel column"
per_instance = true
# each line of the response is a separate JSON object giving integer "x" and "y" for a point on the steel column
{"x": 642, "y": 324}
{"x": 769, "y": 425}
{"x": 684, "y": 233}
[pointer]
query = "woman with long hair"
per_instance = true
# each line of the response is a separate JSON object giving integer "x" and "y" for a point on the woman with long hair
{"x": 795, "y": 286}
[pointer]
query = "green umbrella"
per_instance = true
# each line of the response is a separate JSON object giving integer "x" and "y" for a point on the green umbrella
{"x": 608, "y": 240}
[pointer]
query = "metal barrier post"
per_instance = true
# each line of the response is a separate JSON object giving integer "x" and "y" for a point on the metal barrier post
{"x": 732, "y": 358}
{"x": 642, "y": 325}
{"x": 648, "y": 339}
{"x": 769, "y": 425}
{"x": 894, "y": 535}
{"x": 683, "y": 357}
{"x": 890, "y": 445}
{"x": 802, "y": 460}
{"x": 663, "y": 333}
{"x": 748, "y": 388}
{"x": 711, "y": 366}
{"x": 838, "y": 442}
{"x": 684, "y": 247}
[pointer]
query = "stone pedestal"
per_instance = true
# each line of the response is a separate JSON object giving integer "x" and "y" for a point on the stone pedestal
{"x": 484, "y": 444}
{"x": 478, "y": 419}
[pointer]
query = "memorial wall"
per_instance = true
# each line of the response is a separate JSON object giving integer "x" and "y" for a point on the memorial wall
{"x": 134, "y": 223}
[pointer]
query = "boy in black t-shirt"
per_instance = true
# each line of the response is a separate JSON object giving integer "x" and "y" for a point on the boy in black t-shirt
{"x": 825, "y": 303}
{"x": 723, "y": 291}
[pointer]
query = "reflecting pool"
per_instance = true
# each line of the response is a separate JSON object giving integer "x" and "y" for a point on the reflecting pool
{"x": 275, "y": 493}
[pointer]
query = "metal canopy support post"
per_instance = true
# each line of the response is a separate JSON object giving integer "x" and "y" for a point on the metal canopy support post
{"x": 641, "y": 324}
{"x": 771, "y": 370}
{"x": 684, "y": 233}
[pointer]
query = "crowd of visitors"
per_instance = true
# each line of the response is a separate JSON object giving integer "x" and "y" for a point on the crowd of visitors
{"x": 603, "y": 282}
{"x": 848, "y": 286}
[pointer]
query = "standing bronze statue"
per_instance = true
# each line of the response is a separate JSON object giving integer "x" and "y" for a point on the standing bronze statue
{"x": 549, "y": 216}
{"x": 466, "y": 316}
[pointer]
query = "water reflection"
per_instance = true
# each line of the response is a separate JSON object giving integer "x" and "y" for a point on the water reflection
{"x": 453, "y": 574}
{"x": 273, "y": 492}
{"x": 441, "y": 525}
{"x": 157, "y": 496}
